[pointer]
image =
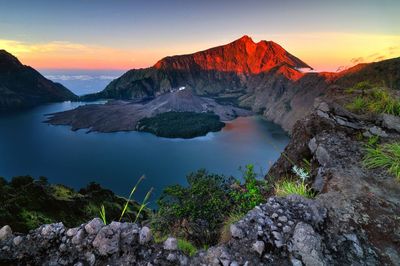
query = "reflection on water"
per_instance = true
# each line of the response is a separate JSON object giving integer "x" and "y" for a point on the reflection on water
{"x": 116, "y": 160}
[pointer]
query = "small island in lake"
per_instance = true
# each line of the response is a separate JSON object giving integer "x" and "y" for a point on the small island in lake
{"x": 181, "y": 124}
{"x": 176, "y": 114}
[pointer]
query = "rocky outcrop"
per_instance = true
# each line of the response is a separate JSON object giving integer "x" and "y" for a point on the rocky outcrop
{"x": 89, "y": 244}
{"x": 21, "y": 86}
{"x": 362, "y": 204}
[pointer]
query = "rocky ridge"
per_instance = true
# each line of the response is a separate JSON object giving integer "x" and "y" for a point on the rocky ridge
{"x": 353, "y": 220}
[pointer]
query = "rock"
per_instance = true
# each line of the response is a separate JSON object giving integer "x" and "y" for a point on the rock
{"x": 322, "y": 156}
{"x": 323, "y": 114}
{"x": 236, "y": 231}
{"x": 377, "y": 131}
{"x": 225, "y": 262}
{"x": 17, "y": 240}
{"x": 307, "y": 244}
{"x": 259, "y": 247}
{"x": 324, "y": 107}
{"x": 312, "y": 145}
{"x": 391, "y": 122}
{"x": 71, "y": 232}
{"x": 94, "y": 226}
{"x": 171, "y": 257}
{"x": 282, "y": 219}
{"x": 296, "y": 262}
{"x": 90, "y": 257}
{"x": 5, "y": 232}
{"x": 77, "y": 239}
{"x": 171, "y": 244}
{"x": 63, "y": 247}
{"x": 286, "y": 229}
{"x": 320, "y": 180}
{"x": 145, "y": 235}
{"x": 107, "y": 240}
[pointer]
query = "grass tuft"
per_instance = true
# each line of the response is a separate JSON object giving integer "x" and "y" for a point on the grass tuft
{"x": 103, "y": 214}
{"x": 129, "y": 198}
{"x": 186, "y": 247}
{"x": 377, "y": 101}
{"x": 288, "y": 187}
{"x": 386, "y": 156}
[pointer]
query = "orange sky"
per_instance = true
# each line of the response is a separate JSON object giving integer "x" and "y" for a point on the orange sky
{"x": 323, "y": 51}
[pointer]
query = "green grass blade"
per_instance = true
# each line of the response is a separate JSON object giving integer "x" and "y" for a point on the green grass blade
{"x": 130, "y": 196}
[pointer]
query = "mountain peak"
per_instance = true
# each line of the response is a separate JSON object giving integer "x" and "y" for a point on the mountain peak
{"x": 7, "y": 60}
{"x": 246, "y": 39}
{"x": 242, "y": 56}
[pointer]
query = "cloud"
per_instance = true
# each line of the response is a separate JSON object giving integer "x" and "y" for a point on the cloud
{"x": 105, "y": 77}
{"x": 380, "y": 58}
{"x": 357, "y": 60}
{"x": 79, "y": 77}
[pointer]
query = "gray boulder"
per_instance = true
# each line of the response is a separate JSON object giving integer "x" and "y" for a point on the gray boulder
{"x": 5, "y": 232}
{"x": 94, "y": 226}
{"x": 391, "y": 122}
{"x": 171, "y": 244}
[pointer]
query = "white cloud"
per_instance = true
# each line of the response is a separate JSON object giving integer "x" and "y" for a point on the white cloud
{"x": 64, "y": 77}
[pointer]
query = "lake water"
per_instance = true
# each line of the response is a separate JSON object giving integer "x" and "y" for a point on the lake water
{"x": 117, "y": 160}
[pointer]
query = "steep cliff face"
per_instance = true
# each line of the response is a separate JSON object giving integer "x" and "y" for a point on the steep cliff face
{"x": 21, "y": 86}
{"x": 284, "y": 97}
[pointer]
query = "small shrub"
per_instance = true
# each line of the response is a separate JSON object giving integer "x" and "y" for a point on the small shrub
{"x": 34, "y": 219}
{"x": 195, "y": 212}
{"x": 386, "y": 156}
{"x": 251, "y": 193}
{"x": 186, "y": 247}
{"x": 288, "y": 187}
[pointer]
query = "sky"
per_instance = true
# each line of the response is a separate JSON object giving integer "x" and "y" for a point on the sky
{"x": 122, "y": 34}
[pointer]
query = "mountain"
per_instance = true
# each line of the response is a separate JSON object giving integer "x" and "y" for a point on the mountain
{"x": 22, "y": 86}
{"x": 259, "y": 76}
{"x": 219, "y": 70}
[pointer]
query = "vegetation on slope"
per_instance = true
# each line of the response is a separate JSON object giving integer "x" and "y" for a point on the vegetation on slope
{"x": 26, "y": 203}
{"x": 371, "y": 98}
{"x": 199, "y": 211}
{"x": 181, "y": 124}
{"x": 386, "y": 156}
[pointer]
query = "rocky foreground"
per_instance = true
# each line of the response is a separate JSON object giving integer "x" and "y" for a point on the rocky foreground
{"x": 353, "y": 221}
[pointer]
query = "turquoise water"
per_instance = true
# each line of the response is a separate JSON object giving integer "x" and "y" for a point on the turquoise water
{"x": 116, "y": 160}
